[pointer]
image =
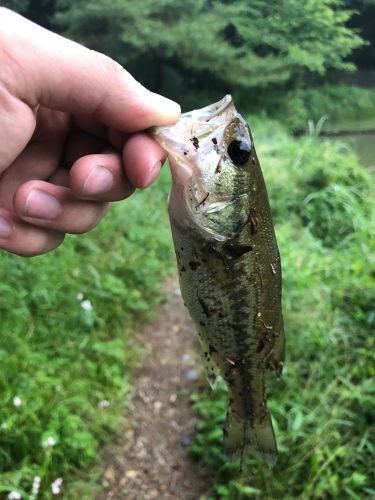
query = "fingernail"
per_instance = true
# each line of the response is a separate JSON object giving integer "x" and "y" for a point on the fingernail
{"x": 41, "y": 205}
{"x": 5, "y": 228}
{"x": 152, "y": 176}
{"x": 99, "y": 181}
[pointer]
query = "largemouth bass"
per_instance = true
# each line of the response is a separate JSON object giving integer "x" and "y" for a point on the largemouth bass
{"x": 228, "y": 263}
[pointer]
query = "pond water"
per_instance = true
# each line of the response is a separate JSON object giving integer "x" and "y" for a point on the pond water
{"x": 364, "y": 145}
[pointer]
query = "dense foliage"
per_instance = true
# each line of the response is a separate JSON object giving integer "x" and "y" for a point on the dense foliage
{"x": 238, "y": 44}
{"x": 322, "y": 406}
{"x": 68, "y": 322}
{"x": 212, "y": 44}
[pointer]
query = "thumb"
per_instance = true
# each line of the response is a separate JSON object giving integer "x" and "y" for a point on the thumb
{"x": 48, "y": 69}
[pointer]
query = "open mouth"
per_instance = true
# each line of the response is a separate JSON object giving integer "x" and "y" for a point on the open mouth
{"x": 209, "y": 112}
{"x": 197, "y": 133}
{"x": 198, "y": 123}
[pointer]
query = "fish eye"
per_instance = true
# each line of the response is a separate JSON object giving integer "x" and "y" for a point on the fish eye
{"x": 239, "y": 152}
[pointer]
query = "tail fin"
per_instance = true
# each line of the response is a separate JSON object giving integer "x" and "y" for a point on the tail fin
{"x": 242, "y": 439}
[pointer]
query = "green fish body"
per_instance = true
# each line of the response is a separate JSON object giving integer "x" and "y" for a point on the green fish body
{"x": 228, "y": 263}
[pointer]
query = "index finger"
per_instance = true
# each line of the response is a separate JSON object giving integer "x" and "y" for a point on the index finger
{"x": 81, "y": 81}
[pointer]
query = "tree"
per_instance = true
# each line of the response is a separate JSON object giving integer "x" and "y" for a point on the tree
{"x": 242, "y": 43}
{"x": 176, "y": 46}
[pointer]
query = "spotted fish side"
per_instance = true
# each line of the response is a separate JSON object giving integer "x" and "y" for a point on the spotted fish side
{"x": 233, "y": 293}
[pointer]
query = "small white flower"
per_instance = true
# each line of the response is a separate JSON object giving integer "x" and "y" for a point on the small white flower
{"x": 103, "y": 404}
{"x": 14, "y": 495}
{"x": 86, "y": 305}
{"x": 80, "y": 296}
{"x": 56, "y": 486}
{"x": 49, "y": 442}
{"x": 17, "y": 401}
{"x": 36, "y": 485}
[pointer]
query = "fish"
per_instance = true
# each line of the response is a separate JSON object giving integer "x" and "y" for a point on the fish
{"x": 229, "y": 264}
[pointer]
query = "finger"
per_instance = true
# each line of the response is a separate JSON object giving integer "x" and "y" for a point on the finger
{"x": 143, "y": 159}
{"x": 21, "y": 238}
{"x": 20, "y": 126}
{"x": 81, "y": 144}
{"x": 38, "y": 160}
{"x": 83, "y": 81}
{"x": 100, "y": 177}
{"x": 51, "y": 125}
{"x": 55, "y": 207}
{"x": 96, "y": 129}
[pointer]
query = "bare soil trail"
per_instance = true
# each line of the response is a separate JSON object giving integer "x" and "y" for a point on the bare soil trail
{"x": 152, "y": 460}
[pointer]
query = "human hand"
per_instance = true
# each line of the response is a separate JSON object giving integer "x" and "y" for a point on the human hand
{"x": 71, "y": 139}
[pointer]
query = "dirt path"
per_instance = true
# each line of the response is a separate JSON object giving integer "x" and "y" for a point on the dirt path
{"x": 152, "y": 461}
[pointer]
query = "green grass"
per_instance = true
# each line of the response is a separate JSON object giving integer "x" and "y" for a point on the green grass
{"x": 322, "y": 407}
{"x": 63, "y": 356}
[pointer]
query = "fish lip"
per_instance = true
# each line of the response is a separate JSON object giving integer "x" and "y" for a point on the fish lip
{"x": 211, "y": 111}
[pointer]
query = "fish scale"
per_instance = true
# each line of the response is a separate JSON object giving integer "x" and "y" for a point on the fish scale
{"x": 229, "y": 264}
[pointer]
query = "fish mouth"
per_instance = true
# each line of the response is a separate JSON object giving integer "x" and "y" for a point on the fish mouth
{"x": 191, "y": 136}
{"x": 197, "y": 123}
{"x": 211, "y": 111}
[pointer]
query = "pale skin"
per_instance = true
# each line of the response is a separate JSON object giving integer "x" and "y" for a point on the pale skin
{"x": 72, "y": 136}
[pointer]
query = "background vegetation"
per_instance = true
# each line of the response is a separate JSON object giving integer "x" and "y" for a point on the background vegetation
{"x": 67, "y": 320}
